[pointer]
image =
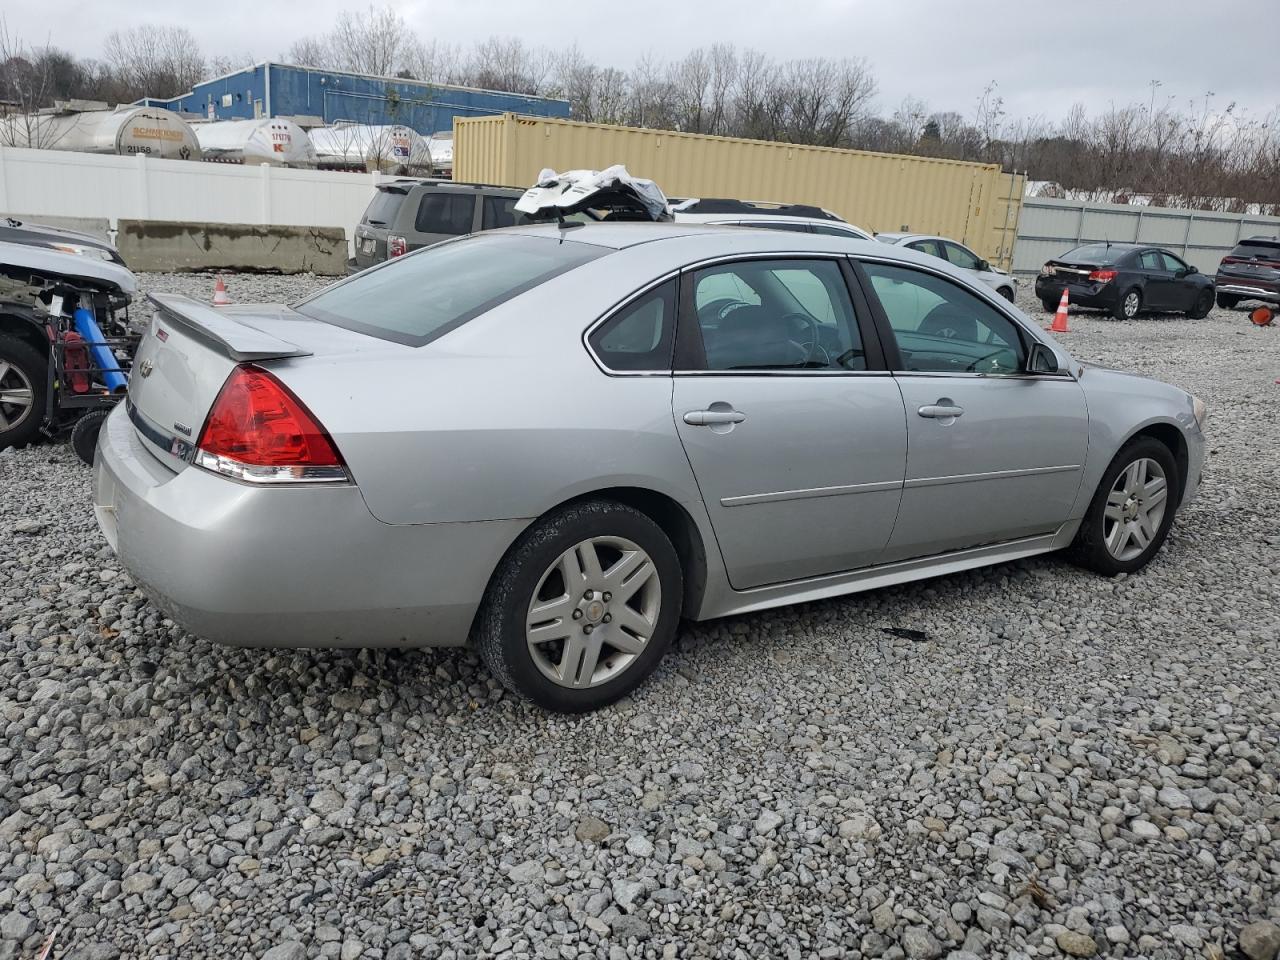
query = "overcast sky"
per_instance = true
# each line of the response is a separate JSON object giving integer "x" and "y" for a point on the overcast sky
{"x": 1044, "y": 55}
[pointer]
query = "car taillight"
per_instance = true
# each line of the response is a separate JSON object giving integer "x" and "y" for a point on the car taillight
{"x": 396, "y": 247}
{"x": 258, "y": 431}
{"x": 1102, "y": 276}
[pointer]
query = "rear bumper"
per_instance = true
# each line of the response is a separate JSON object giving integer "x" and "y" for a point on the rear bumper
{"x": 1080, "y": 293}
{"x": 287, "y": 567}
{"x": 1248, "y": 288}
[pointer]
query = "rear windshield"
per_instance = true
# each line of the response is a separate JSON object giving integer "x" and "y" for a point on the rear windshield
{"x": 1263, "y": 249}
{"x": 415, "y": 299}
{"x": 383, "y": 207}
{"x": 1094, "y": 253}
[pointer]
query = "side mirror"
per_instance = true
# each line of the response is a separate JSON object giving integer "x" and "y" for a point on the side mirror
{"x": 1042, "y": 359}
{"x": 982, "y": 266}
{"x": 1188, "y": 271}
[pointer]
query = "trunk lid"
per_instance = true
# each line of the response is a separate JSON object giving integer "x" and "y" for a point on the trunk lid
{"x": 188, "y": 351}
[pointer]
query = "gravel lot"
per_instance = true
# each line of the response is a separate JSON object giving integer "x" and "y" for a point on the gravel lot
{"x": 1064, "y": 764}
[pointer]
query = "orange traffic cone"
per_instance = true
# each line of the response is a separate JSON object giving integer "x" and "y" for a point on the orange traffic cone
{"x": 1060, "y": 318}
{"x": 220, "y": 298}
{"x": 1263, "y": 316}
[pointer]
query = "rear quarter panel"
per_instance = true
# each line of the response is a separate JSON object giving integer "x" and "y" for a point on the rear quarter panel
{"x": 506, "y": 416}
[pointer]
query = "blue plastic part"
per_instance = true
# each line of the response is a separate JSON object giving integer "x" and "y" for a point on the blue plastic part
{"x": 103, "y": 358}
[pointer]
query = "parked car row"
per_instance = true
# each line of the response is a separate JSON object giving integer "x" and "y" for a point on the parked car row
{"x": 555, "y": 440}
{"x": 1126, "y": 279}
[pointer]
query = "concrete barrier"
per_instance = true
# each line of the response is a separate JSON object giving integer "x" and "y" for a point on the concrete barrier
{"x": 175, "y": 246}
{"x": 98, "y": 227}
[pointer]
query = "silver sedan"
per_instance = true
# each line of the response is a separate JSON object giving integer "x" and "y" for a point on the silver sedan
{"x": 554, "y": 442}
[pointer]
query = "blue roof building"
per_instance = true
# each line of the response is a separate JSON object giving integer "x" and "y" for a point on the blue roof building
{"x": 279, "y": 90}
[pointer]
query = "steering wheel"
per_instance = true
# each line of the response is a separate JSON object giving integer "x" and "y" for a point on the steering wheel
{"x": 813, "y": 344}
{"x": 721, "y": 306}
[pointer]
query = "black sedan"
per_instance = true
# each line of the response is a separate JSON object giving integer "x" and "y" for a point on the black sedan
{"x": 1125, "y": 279}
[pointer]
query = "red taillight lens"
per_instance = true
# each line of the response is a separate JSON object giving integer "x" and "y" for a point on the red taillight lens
{"x": 1102, "y": 276}
{"x": 257, "y": 430}
{"x": 396, "y": 247}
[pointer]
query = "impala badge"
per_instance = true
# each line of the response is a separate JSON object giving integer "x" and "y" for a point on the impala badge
{"x": 145, "y": 367}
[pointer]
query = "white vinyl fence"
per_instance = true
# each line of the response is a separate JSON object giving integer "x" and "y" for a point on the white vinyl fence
{"x": 57, "y": 183}
{"x": 1048, "y": 228}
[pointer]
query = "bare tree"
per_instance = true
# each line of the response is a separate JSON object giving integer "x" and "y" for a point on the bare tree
{"x": 153, "y": 61}
{"x": 368, "y": 42}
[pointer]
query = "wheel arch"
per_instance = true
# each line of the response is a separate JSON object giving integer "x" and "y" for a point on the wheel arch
{"x": 676, "y": 522}
{"x": 19, "y": 325}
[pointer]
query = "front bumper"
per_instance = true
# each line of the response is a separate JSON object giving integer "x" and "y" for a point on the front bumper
{"x": 287, "y": 566}
{"x": 1080, "y": 293}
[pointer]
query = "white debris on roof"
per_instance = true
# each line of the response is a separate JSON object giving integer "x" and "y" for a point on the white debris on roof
{"x": 575, "y": 188}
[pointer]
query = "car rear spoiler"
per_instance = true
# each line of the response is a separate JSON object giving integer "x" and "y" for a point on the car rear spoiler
{"x": 223, "y": 332}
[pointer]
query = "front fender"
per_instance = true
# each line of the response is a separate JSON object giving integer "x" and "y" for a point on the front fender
{"x": 1122, "y": 406}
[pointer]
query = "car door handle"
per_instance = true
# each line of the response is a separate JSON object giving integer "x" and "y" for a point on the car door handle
{"x": 941, "y": 410}
{"x": 707, "y": 418}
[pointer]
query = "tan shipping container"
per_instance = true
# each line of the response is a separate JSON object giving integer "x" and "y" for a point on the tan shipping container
{"x": 972, "y": 202}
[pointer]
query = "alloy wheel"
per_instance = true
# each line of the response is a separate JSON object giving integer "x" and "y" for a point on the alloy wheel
{"x": 1131, "y": 302}
{"x": 16, "y": 396}
{"x": 593, "y": 612}
{"x": 1135, "y": 509}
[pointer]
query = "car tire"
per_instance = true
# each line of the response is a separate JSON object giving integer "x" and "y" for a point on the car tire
{"x": 84, "y": 435}
{"x": 1007, "y": 293}
{"x": 1228, "y": 301}
{"x": 1128, "y": 304}
{"x": 1203, "y": 304}
{"x": 1119, "y": 535}
{"x": 1050, "y": 306}
{"x": 24, "y": 376}
{"x": 582, "y": 620}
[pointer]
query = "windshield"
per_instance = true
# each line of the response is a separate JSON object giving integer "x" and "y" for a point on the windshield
{"x": 415, "y": 299}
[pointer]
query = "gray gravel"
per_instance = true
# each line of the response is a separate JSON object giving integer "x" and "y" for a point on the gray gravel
{"x": 1067, "y": 765}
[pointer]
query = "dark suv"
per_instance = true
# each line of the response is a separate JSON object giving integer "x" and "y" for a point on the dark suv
{"x": 407, "y": 214}
{"x": 1250, "y": 272}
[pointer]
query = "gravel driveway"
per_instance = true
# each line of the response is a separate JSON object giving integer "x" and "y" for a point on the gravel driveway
{"x": 1056, "y": 764}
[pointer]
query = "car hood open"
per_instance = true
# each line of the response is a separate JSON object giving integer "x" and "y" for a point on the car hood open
{"x": 612, "y": 191}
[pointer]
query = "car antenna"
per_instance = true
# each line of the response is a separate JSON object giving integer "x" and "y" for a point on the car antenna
{"x": 563, "y": 224}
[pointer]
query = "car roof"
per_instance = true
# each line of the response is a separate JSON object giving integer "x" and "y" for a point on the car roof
{"x": 687, "y": 242}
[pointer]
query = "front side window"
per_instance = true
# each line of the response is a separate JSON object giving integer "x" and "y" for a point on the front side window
{"x": 941, "y": 327}
{"x": 777, "y": 315}
{"x": 962, "y": 258}
{"x": 1172, "y": 263}
{"x": 640, "y": 335}
{"x": 446, "y": 213}
{"x": 415, "y": 299}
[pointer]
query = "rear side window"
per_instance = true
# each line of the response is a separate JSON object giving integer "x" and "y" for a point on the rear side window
{"x": 641, "y": 334}
{"x": 931, "y": 247}
{"x": 498, "y": 212}
{"x": 447, "y": 213}
{"x": 415, "y": 299}
{"x": 1151, "y": 260}
{"x": 382, "y": 208}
